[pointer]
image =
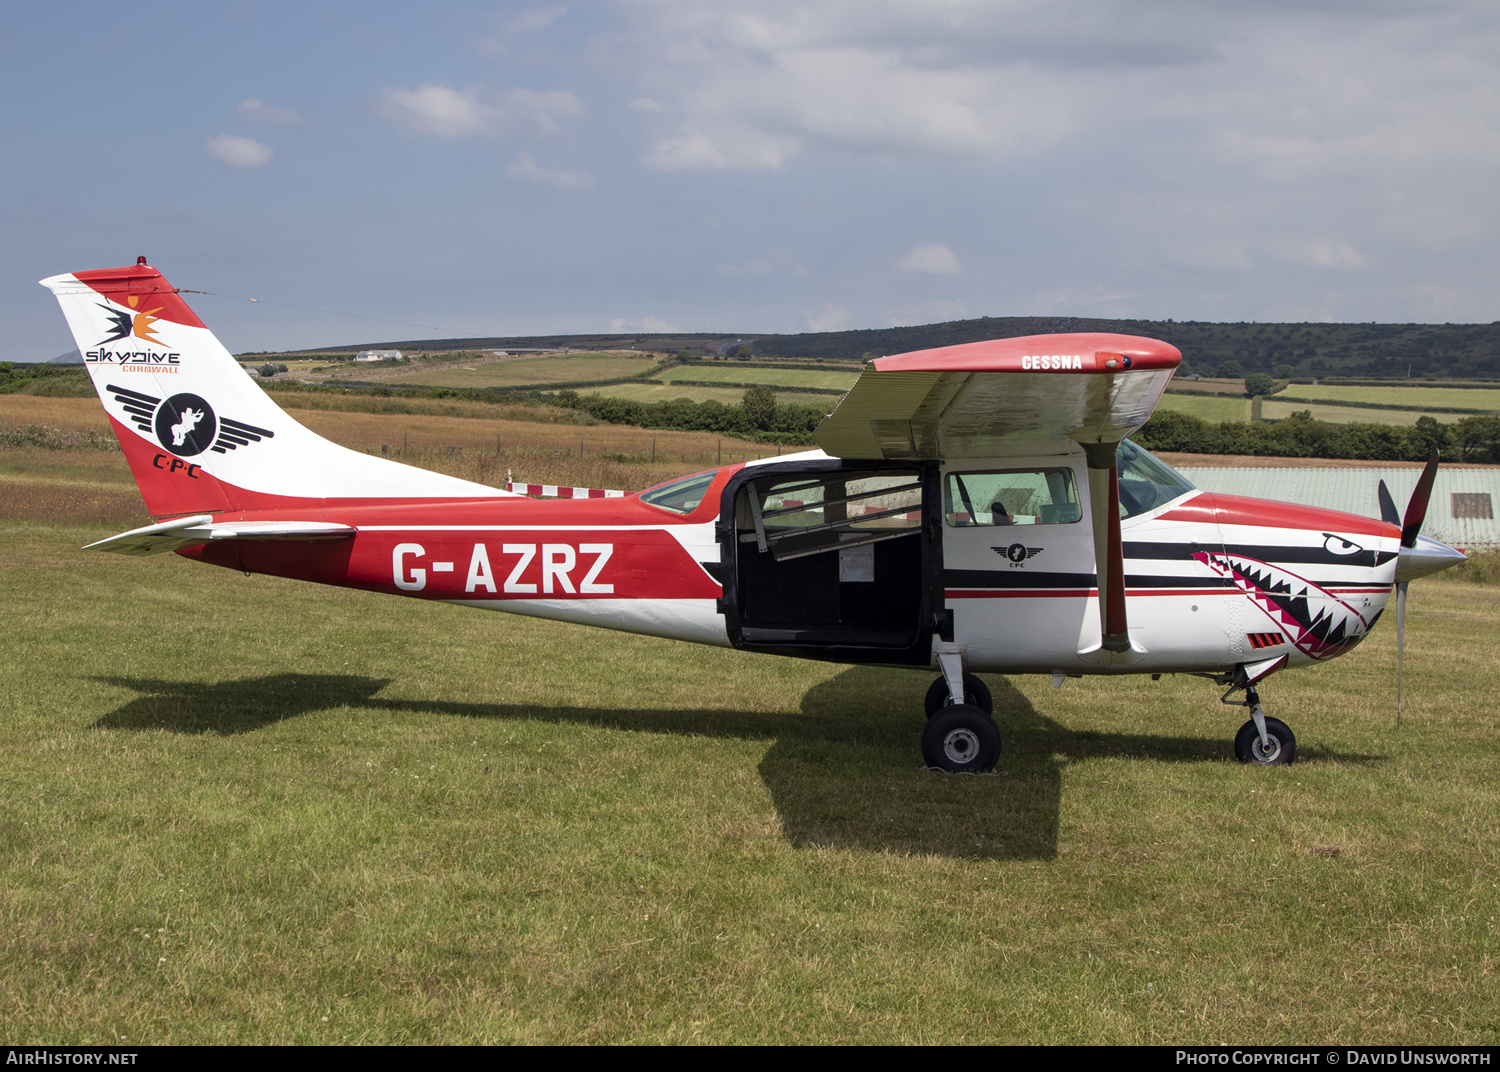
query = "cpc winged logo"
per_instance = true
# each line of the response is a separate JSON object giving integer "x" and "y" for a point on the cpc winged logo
{"x": 186, "y": 424}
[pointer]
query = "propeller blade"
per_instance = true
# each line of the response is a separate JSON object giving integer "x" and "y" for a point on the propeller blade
{"x": 1416, "y": 509}
{"x": 1388, "y": 511}
{"x": 1400, "y": 641}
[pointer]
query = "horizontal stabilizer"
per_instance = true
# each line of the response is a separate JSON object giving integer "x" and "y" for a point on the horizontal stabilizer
{"x": 188, "y": 531}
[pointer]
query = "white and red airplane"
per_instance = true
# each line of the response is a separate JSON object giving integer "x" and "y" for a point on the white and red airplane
{"x": 974, "y": 508}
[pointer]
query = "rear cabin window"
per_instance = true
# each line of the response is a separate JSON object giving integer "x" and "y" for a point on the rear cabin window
{"x": 1011, "y": 497}
{"x": 680, "y": 496}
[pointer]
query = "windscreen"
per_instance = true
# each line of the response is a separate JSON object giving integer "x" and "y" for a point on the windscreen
{"x": 1146, "y": 481}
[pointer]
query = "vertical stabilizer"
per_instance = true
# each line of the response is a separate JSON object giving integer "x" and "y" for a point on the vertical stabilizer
{"x": 198, "y": 432}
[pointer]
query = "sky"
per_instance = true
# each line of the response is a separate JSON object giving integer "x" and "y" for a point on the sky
{"x": 655, "y": 165}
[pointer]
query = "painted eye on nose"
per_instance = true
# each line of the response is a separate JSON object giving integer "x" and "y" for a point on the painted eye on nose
{"x": 1339, "y": 546}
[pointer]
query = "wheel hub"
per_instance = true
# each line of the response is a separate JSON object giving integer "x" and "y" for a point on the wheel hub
{"x": 1266, "y": 753}
{"x": 961, "y": 745}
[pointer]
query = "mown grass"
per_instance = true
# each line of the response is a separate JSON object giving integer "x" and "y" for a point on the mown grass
{"x": 729, "y": 396}
{"x": 572, "y": 368}
{"x": 1275, "y": 411}
{"x": 246, "y": 810}
{"x": 1208, "y": 407}
{"x": 781, "y": 378}
{"x": 1402, "y": 395}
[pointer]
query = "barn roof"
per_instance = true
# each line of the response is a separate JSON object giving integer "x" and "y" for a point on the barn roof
{"x": 1462, "y": 512}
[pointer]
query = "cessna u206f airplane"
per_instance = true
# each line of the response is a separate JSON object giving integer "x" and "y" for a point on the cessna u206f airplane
{"x": 973, "y": 508}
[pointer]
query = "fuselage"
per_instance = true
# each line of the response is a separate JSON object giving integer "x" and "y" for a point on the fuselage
{"x": 880, "y": 563}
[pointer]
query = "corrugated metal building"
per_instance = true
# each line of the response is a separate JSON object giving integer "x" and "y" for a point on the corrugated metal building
{"x": 1461, "y": 513}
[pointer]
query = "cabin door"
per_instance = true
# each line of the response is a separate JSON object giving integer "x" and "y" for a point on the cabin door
{"x": 833, "y": 562}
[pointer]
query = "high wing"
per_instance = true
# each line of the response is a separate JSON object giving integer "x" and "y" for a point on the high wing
{"x": 1037, "y": 394}
{"x": 989, "y": 399}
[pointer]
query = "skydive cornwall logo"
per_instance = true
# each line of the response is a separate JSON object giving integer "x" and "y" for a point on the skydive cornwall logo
{"x": 124, "y": 324}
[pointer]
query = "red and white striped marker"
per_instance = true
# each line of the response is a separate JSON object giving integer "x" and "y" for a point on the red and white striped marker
{"x": 553, "y": 491}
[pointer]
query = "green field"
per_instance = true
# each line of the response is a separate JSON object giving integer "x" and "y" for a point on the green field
{"x": 730, "y": 396}
{"x": 572, "y": 368}
{"x": 1208, "y": 407}
{"x": 240, "y": 809}
{"x": 776, "y": 377}
{"x": 1275, "y": 411}
{"x": 1415, "y": 397}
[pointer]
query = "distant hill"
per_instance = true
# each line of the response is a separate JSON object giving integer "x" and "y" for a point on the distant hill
{"x": 1428, "y": 351}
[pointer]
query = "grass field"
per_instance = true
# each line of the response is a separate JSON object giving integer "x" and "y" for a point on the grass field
{"x": 538, "y": 452}
{"x": 573, "y": 368}
{"x": 1274, "y": 411}
{"x": 789, "y": 379}
{"x": 730, "y": 396}
{"x": 245, "y": 810}
{"x": 1416, "y": 397}
{"x": 1208, "y": 407}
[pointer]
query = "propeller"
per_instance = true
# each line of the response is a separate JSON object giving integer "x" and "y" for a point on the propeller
{"x": 1411, "y": 527}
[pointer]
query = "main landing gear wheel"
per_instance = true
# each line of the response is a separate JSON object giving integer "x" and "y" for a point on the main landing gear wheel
{"x": 961, "y": 737}
{"x": 1283, "y": 745}
{"x": 976, "y": 694}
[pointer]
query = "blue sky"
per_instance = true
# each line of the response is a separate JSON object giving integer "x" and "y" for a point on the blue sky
{"x": 772, "y": 167}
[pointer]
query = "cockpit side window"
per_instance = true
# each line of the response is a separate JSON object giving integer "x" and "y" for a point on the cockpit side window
{"x": 1011, "y": 497}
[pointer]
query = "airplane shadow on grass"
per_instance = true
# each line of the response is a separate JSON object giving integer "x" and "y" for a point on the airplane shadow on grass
{"x": 843, "y": 772}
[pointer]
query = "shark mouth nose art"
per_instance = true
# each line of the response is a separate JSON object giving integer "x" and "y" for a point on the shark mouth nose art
{"x": 1319, "y": 623}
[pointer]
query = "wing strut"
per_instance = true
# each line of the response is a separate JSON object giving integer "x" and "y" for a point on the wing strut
{"x": 1115, "y": 645}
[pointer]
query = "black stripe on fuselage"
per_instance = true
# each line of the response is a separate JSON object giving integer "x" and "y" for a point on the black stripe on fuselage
{"x": 1036, "y": 579}
{"x": 1171, "y": 552}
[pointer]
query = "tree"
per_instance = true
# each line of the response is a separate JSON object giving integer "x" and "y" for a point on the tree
{"x": 1478, "y": 439}
{"x": 1231, "y": 370}
{"x": 1259, "y": 384}
{"x": 1282, "y": 372}
{"x": 744, "y": 353}
{"x": 760, "y": 407}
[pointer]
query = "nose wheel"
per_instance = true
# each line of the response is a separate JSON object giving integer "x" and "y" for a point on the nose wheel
{"x": 1265, "y": 741}
{"x": 1278, "y": 749}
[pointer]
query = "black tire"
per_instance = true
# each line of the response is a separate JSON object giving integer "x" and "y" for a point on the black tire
{"x": 976, "y": 694}
{"x": 1247, "y": 746}
{"x": 961, "y": 737}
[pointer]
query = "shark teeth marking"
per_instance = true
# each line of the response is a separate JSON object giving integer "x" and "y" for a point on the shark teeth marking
{"x": 1318, "y": 623}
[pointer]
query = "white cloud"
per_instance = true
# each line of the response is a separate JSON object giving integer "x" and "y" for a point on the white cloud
{"x": 646, "y": 104}
{"x": 258, "y": 111}
{"x": 728, "y": 149}
{"x": 829, "y": 318}
{"x": 1326, "y": 253}
{"x": 530, "y": 20}
{"x": 935, "y": 259}
{"x": 649, "y": 325}
{"x": 526, "y": 169}
{"x": 461, "y": 113}
{"x": 238, "y": 152}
